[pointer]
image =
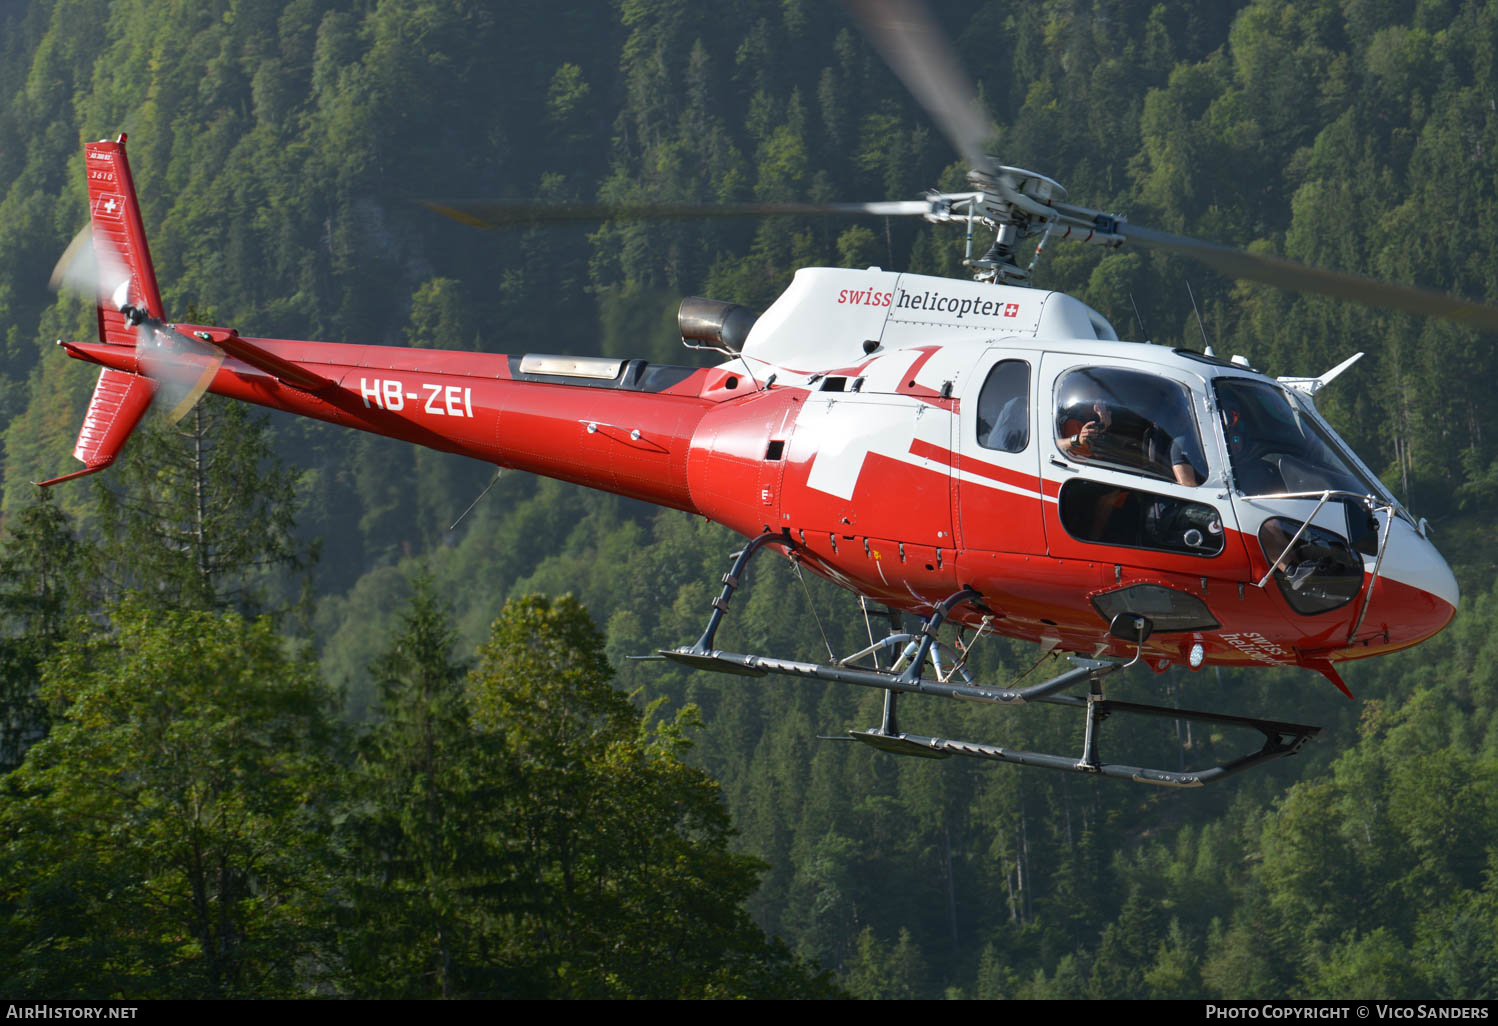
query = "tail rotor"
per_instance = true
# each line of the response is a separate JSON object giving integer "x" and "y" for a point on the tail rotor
{"x": 182, "y": 367}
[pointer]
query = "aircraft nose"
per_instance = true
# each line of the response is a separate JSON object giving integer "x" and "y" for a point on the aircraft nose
{"x": 1416, "y": 594}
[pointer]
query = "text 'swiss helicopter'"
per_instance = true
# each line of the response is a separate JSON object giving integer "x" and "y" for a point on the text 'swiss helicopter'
{"x": 980, "y": 453}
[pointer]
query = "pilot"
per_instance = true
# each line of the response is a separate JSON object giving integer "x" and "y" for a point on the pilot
{"x": 1256, "y": 475}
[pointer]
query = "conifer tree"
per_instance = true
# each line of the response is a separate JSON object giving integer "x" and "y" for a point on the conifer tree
{"x": 414, "y": 836}
{"x": 622, "y": 880}
{"x": 199, "y": 514}
{"x": 40, "y": 581}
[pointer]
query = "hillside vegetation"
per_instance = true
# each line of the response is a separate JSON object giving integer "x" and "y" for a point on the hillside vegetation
{"x": 249, "y": 746}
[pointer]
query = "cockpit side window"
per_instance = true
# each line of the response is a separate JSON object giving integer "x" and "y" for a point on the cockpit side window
{"x": 1129, "y": 420}
{"x": 1004, "y": 407}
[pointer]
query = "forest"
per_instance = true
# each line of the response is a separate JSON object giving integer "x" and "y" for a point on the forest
{"x": 278, "y": 718}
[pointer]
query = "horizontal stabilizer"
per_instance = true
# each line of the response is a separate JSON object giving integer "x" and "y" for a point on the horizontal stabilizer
{"x": 119, "y": 402}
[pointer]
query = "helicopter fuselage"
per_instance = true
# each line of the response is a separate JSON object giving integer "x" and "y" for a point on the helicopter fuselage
{"x": 860, "y": 422}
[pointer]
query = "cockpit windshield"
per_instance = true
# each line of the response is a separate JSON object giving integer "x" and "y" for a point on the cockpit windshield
{"x": 1277, "y": 446}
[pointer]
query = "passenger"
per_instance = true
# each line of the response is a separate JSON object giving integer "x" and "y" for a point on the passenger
{"x": 1185, "y": 461}
{"x": 1091, "y": 440}
{"x": 1012, "y": 431}
{"x": 1082, "y": 430}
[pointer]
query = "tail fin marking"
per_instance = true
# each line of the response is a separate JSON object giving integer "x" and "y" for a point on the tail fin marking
{"x": 115, "y": 214}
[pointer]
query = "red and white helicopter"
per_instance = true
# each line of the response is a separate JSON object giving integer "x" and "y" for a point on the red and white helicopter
{"x": 980, "y": 453}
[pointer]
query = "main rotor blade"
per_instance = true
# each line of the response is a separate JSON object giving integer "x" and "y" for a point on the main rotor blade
{"x": 518, "y": 213}
{"x": 916, "y": 49}
{"x": 1287, "y": 274}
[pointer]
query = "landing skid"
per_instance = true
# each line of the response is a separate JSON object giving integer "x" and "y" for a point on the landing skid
{"x": 921, "y": 652}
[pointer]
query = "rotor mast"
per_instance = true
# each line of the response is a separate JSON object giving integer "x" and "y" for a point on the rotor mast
{"x": 1017, "y": 204}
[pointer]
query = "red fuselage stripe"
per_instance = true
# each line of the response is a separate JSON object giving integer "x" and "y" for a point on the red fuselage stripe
{"x": 1015, "y": 479}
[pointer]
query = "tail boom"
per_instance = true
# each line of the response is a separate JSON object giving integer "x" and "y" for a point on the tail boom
{"x": 630, "y": 435}
{"x": 632, "y": 443}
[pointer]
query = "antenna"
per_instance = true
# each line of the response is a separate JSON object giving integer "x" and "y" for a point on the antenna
{"x": 498, "y": 472}
{"x": 1137, "y": 319}
{"x": 1207, "y": 346}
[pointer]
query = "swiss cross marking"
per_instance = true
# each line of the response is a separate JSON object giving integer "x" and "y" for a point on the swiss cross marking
{"x": 1011, "y": 309}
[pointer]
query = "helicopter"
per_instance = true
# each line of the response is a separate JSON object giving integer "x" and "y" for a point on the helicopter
{"x": 982, "y": 455}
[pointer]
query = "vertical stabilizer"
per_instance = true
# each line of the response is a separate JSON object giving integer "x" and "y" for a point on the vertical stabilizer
{"x": 119, "y": 235}
{"x": 120, "y": 399}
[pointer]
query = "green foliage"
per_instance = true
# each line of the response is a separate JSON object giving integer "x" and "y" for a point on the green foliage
{"x": 412, "y": 833}
{"x": 276, "y": 157}
{"x": 163, "y": 836}
{"x": 197, "y": 514}
{"x": 40, "y": 587}
{"x": 622, "y": 883}
{"x": 528, "y": 834}
{"x": 880, "y": 973}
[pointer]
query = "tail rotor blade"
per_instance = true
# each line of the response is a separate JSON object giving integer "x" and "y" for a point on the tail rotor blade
{"x": 90, "y": 268}
{"x": 182, "y": 367}
{"x": 194, "y": 390}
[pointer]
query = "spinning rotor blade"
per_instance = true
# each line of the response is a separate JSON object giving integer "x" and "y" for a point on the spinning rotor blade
{"x": 182, "y": 367}
{"x": 91, "y": 272}
{"x": 518, "y": 213}
{"x": 1294, "y": 277}
{"x": 916, "y": 50}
